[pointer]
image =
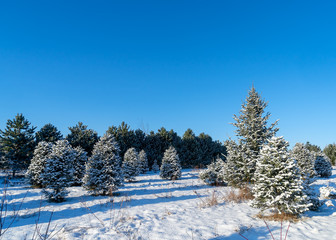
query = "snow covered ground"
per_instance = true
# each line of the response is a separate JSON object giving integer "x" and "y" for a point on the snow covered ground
{"x": 152, "y": 208}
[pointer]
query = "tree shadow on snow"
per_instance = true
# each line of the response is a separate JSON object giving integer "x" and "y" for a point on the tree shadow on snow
{"x": 251, "y": 234}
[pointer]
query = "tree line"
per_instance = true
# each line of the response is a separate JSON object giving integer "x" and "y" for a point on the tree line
{"x": 19, "y": 139}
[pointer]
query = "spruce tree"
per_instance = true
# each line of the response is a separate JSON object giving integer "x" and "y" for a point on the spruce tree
{"x": 58, "y": 172}
{"x": 305, "y": 160}
{"x": 80, "y": 160}
{"x": 278, "y": 183}
{"x": 37, "y": 165}
{"x": 17, "y": 144}
{"x": 143, "y": 162}
{"x": 81, "y": 136}
{"x": 322, "y": 165}
{"x": 48, "y": 133}
{"x": 252, "y": 130}
{"x": 130, "y": 164}
{"x": 103, "y": 171}
{"x": 171, "y": 166}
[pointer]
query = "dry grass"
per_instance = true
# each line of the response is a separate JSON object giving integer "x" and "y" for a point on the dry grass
{"x": 211, "y": 200}
{"x": 243, "y": 194}
{"x": 279, "y": 217}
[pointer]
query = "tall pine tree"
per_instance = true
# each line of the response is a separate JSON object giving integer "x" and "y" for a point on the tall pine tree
{"x": 81, "y": 136}
{"x": 190, "y": 150}
{"x": 17, "y": 142}
{"x": 48, "y": 133}
{"x": 252, "y": 131}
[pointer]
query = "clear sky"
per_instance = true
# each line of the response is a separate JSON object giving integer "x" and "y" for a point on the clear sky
{"x": 174, "y": 63}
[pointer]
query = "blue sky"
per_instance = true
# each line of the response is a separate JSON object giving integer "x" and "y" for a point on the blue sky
{"x": 177, "y": 64}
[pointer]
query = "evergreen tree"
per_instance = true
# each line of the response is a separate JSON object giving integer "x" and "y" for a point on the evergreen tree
{"x": 312, "y": 147}
{"x": 124, "y": 136}
{"x": 37, "y": 165}
{"x": 58, "y": 172}
{"x": 17, "y": 142}
{"x": 322, "y": 165}
{"x": 103, "y": 170}
{"x": 139, "y": 139}
{"x": 48, "y": 133}
{"x": 252, "y": 130}
{"x": 130, "y": 164}
{"x": 190, "y": 149}
{"x": 305, "y": 161}
{"x": 80, "y": 160}
{"x": 143, "y": 162}
{"x": 152, "y": 148}
{"x": 171, "y": 167}
{"x": 81, "y": 136}
{"x": 158, "y": 143}
{"x": 278, "y": 183}
{"x": 330, "y": 151}
{"x": 215, "y": 174}
{"x": 209, "y": 150}
{"x": 155, "y": 166}
{"x": 238, "y": 166}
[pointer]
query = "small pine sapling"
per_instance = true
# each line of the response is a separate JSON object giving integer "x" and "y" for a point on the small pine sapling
{"x": 171, "y": 166}
{"x": 215, "y": 173}
{"x": 155, "y": 166}
{"x": 143, "y": 162}
{"x": 130, "y": 164}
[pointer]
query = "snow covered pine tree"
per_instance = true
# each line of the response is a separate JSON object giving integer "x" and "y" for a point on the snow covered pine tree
{"x": 215, "y": 173}
{"x": 305, "y": 160}
{"x": 278, "y": 184}
{"x": 171, "y": 166}
{"x": 37, "y": 165}
{"x": 79, "y": 163}
{"x": 58, "y": 172}
{"x": 103, "y": 170}
{"x": 143, "y": 162}
{"x": 130, "y": 164}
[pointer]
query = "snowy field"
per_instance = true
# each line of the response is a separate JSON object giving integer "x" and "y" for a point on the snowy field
{"x": 152, "y": 208}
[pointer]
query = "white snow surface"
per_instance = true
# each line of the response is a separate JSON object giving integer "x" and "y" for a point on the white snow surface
{"x": 156, "y": 209}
